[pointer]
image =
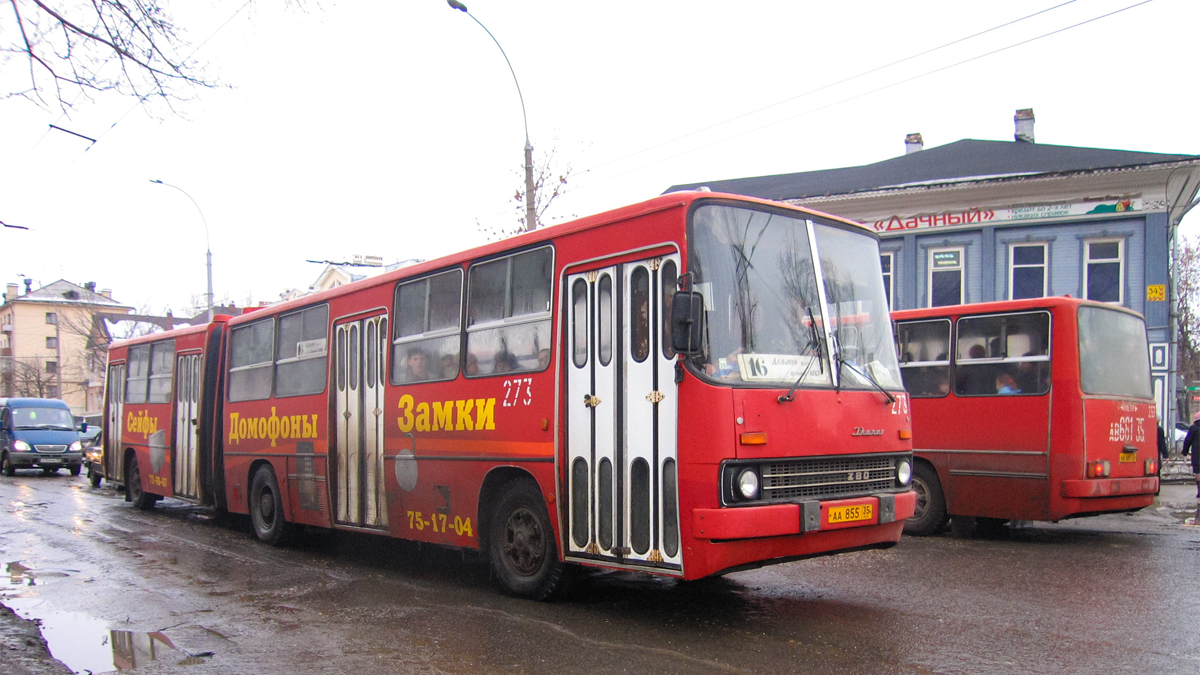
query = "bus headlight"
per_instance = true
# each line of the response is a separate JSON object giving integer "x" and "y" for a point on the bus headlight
{"x": 747, "y": 484}
{"x": 904, "y": 472}
{"x": 21, "y": 446}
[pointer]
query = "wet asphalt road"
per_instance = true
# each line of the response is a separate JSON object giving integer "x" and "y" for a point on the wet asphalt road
{"x": 1115, "y": 594}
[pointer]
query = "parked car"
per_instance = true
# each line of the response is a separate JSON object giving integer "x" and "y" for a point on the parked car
{"x": 1180, "y": 431}
{"x": 38, "y": 433}
{"x": 92, "y": 448}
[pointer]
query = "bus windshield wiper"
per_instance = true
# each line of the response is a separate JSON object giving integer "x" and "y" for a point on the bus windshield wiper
{"x": 842, "y": 361}
{"x": 814, "y": 340}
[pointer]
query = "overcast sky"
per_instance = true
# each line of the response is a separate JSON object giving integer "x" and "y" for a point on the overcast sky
{"x": 394, "y": 128}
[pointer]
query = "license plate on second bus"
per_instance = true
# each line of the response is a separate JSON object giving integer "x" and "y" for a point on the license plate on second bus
{"x": 1127, "y": 457}
{"x": 846, "y": 514}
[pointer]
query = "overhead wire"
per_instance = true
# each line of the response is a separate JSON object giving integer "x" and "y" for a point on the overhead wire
{"x": 776, "y": 104}
{"x": 863, "y": 94}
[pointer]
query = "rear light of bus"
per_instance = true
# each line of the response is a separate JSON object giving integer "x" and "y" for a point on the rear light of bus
{"x": 1099, "y": 469}
{"x": 1152, "y": 467}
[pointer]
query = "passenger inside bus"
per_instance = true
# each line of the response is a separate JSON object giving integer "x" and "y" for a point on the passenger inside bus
{"x": 417, "y": 366}
{"x": 1005, "y": 384}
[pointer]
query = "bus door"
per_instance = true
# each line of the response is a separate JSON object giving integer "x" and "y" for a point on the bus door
{"x": 361, "y": 348}
{"x": 114, "y": 460}
{"x": 187, "y": 412}
{"x": 622, "y": 403}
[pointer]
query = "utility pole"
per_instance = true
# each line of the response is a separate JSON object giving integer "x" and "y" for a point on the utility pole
{"x": 530, "y": 207}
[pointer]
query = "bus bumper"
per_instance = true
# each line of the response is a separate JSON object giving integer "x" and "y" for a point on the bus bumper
{"x": 1109, "y": 487}
{"x": 777, "y": 520}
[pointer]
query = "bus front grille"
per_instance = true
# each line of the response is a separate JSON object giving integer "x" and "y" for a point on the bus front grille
{"x": 827, "y": 477}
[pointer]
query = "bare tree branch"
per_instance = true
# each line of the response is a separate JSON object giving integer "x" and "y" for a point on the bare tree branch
{"x": 84, "y": 46}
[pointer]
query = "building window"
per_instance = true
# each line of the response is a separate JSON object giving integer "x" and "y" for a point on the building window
{"x": 885, "y": 262}
{"x": 52, "y": 366}
{"x": 1027, "y": 271}
{"x": 51, "y": 318}
{"x": 1104, "y": 270}
{"x": 52, "y": 391}
{"x": 51, "y": 343}
{"x": 946, "y": 276}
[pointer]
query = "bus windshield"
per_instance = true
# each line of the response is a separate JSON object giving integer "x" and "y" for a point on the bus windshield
{"x": 765, "y": 319}
{"x": 1113, "y": 357}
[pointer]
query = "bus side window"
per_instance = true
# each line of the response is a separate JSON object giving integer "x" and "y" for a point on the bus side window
{"x": 162, "y": 367}
{"x": 508, "y": 310}
{"x": 139, "y": 374}
{"x": 1003, "y": 354}
{"x": 302, "y": 361}
{"x": 251, "y": 361}
{"x": 428, "y": 323}
{"x": 925, "y": 360}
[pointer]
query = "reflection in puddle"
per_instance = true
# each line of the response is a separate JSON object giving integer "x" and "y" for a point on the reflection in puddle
{"x": 84, "y": 643}
{"x": 130, "y": 650}
{"x": 20, "y": 575}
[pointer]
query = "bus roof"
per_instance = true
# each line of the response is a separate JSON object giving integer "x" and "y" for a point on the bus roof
{"x": 1000, "y": 306}
{"x": 168, "y": 334}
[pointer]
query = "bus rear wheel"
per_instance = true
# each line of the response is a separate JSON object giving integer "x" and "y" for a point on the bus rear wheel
{"x": 521, "y": 544}
{"x": 266, "y": 508}
{"x": 133, "y": 486}
{"x": 930, "y": 516}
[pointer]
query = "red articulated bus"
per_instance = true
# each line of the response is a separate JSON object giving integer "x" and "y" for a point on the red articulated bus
{"x": 1034, "y": 409}
{"x": 553, "y": 399}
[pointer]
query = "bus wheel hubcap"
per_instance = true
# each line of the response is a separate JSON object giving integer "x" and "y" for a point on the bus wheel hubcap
{"x": 523, "y": 541}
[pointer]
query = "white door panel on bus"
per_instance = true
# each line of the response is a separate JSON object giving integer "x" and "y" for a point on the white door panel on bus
{"x": 359, "y": 421}
{"x": 114, "y": 455}
{"x": 591, "y": 401}
{"x": 187, "y": 397}
{"x": 621, "y": 436}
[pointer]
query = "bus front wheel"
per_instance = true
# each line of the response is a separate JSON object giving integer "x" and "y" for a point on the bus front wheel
{"x": 521, "y": 544}
{"x": 930, "y": 516}
{"x": 266, "y": 508}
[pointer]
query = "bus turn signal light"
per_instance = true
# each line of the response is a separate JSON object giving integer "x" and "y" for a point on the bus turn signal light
{"x": 754, "y": 438}
{"x": 1099, "y": 469}
{"x": 905, "y": 434}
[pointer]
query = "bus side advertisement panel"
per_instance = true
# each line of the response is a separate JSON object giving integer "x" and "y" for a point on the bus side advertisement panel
{"x": 148, "y": 429}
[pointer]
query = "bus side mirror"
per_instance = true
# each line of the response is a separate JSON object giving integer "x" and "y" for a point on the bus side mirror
{"x": 687, "y": 322}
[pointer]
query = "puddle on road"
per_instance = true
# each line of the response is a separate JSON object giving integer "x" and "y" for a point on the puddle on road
{"x": 84, "y": 643}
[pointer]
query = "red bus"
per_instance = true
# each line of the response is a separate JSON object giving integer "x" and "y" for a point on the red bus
{"x": 554, "y": 399}
{"x": 1034, "y": 409}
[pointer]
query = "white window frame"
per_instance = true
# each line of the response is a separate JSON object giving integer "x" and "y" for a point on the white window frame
{"x": 962, "y": 273}
{"x": 1120, "y": 260}
{"x": 1013, "y": 266}
{"x": 890, "y": 275}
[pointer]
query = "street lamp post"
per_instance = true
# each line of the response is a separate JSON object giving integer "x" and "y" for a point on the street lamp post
{"x": 530, "y": 209}
{"x": 207, "y": 244}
